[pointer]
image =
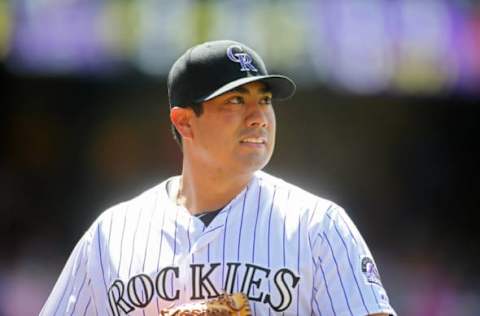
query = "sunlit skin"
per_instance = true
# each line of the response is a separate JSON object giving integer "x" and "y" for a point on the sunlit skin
{"x": 223, "y": 147}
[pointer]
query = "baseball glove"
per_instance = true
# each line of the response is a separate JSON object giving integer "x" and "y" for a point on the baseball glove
{"x": 224, "y": 305}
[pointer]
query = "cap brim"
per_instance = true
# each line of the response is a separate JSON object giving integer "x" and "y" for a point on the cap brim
{"x": 281, "y": 87}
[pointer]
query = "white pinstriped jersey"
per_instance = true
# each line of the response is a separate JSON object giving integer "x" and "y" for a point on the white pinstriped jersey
{"x": 291, "y": 252}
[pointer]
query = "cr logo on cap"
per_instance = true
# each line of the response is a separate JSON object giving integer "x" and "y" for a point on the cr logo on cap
{"x": 244, "y": 59}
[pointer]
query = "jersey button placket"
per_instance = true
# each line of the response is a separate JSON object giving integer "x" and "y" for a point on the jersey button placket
{"x": 209, "y": 233}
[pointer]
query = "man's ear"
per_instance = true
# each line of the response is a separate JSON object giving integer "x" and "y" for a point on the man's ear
{"x": 180, "y": 118}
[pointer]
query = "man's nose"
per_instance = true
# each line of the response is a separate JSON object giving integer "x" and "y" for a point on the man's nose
{"x": 257, "y": 116}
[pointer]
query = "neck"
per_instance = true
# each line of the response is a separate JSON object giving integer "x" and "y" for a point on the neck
{"x": 202, "y": 189}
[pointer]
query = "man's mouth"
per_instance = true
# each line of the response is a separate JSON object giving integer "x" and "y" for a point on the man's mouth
{"x": 254, "y": 140}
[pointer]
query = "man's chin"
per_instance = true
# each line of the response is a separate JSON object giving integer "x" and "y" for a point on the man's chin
{"x": 252, "y": 163}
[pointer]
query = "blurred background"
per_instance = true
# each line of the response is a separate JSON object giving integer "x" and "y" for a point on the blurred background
{"x": 383, "y": 123}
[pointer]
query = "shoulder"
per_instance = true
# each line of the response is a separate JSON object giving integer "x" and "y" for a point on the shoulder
{"x": 293, "y": 191}
{"x": 312, "y": 207}
{"x": 127, "y": 210}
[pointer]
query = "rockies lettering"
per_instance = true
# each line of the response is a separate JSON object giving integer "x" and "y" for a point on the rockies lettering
{"x": 289, "y": 251}
{"x": 141, "y": 287}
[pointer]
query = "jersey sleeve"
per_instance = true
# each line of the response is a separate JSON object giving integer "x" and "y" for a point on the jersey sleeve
{"x": 346, "y": 279}
{"x": 71, "y": 294}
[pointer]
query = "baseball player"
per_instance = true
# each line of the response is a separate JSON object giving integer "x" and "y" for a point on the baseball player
{"x": 223, "y": 226}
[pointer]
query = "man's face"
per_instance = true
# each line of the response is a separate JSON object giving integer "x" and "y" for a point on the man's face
{"x": 236, "y": 131}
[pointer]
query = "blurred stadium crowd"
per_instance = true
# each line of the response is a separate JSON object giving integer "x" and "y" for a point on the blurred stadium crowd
{"x": 361, "y": 46}
{"x": 384, "y": 123}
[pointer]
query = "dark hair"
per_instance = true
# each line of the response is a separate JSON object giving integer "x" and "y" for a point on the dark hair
{"x": 198, "y": 110}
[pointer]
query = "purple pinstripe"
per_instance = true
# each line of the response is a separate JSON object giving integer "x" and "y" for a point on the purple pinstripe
{"x": 313, "y": 211}
{"x": 356, "y": 242}
{"x": 86, "y": 308}
{"x": 61, "y": 298}
{"x": 268, "y": 235}
{"x": 318, "y": 236}
{"x": 101, "y": 263}
{"x": 93, "y": 300}
{"x": 338, "y": 273}
{"x": 121, "y": 243}
{"x": 284, "y": 234}
{"x": 224, "y": 237}
{"x": 148, "y": 239}
{"x": 133, "y": 243}
{"x": 208, "y": 246}
{"x": 214, "y": 229}
{"x": 328, "y": 291}
{"x": 240, "y": 233}
{"x": 255, "y": 227}
{"x": 79, "y": 291}
{"x": 146, "y": 244}
{"x": 84, "y": 277}
{"x": 351, "y": 267}
{"x": 188, "y": 237}
{"x": 160, "y": 251}
{"x": 316, "y": 303}
{"x": 149, "y": 231}
{"x": 254, "y": 239}
{"x": 284, "y": 229}
{"x": 108, "y": 243}
{"x": 174, "y": 244}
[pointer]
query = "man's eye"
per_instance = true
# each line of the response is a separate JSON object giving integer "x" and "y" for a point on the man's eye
{"x": 235, "y": 100}
{"x": 267, "y": 100}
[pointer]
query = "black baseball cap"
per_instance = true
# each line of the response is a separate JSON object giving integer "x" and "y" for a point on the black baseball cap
{"x": 210, "y": 69}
